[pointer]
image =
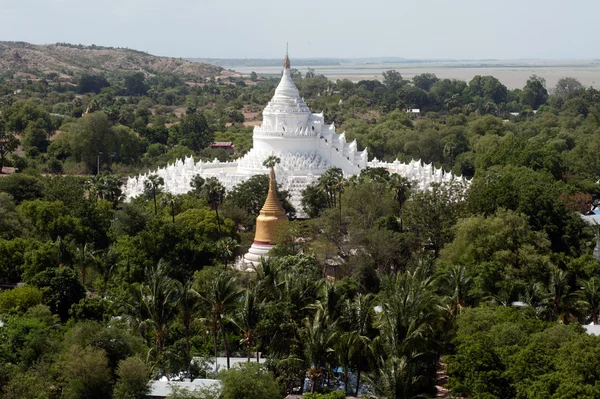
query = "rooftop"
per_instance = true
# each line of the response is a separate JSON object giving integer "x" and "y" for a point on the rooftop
{"x": 162, "y": 389}
{"x": 222, "y": 144}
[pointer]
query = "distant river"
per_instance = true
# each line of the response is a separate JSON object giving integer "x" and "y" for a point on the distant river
{"x": 513, "y": 74}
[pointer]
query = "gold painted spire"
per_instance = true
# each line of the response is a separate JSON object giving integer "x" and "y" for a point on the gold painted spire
{"x": 270, "y": 216}
{"x": 286, "y": 61}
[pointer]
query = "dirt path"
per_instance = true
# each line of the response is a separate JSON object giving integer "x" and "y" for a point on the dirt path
{"x": 442, "y": 382}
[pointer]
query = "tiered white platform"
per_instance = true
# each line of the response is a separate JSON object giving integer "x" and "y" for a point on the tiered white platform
{"x": 306, "y": 145}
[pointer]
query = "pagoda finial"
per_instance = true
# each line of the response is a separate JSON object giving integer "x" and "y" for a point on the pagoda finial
{"x": 286, "y": 61}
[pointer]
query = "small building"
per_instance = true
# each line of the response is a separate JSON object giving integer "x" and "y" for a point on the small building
{"x": 162, "y": 388}
{"x": 223, "y": 145}
{"x": 413, "y": 112}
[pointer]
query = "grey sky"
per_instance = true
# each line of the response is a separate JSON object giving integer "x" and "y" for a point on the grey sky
{"x": 459, "y": 29}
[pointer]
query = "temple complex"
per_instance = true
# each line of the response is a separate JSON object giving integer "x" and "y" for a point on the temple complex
{"x": 270, "y": 216}
{"x": 305, "y": 144}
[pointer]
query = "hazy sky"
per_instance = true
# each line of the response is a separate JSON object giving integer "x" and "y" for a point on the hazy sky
{"x": 458, "y": 29}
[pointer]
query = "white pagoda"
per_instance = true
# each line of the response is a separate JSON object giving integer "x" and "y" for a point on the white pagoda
{"x": 305, "y": 144}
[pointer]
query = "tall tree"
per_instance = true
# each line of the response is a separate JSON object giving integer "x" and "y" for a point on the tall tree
{"x": 226, "y": 248}
{"x": 319, "y": 339}
{"x": 197, "y": 183}
{"x": 358, "y": 314}
{"x": 159, "y": 295}
{"x": 247, "y": 317}
{"x": 152, "y": 187}
{"x": 188, "y": 309}
{"x": 85, "y": 259}
{"x": 8, "y": 143}
{"x": 333, "y": 183}
{"x": 271, "y": 161}
{"x": 214, "y": 193}
{"x": 567, "y": 88}
{"x": 431, "y": 214}
{"x": 404, "y": 351}
{"x": 589, "y": 296}
{"x": 172, "y": 201}
{"x": 219, "y": 295}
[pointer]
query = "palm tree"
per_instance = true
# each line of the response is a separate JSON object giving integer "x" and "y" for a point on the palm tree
{"x": 197, "y": 183}
{"x": 271, "y": 161}
{"x": 188, "y": 307}
{"x": 327, "y": 301}
{"x": 358, "y": 313}
{"x": 159, "y": 296}
{"x": 397, "y": 377}
{"x": 410, "y": 309}
{"x": 267, "y": 280}
{"x": 508, "y": 291}
{"x": 533, "y": 294}
{"x": 104, "y": 267}
{"x": 227, "y": 247}
{"x": 110, "y": 188}
{"x": 85, "y": 258}
{"x": 333, "y": 183}
{"x": 215, "y": 194}
{"x": 152, "y": 187}
{"x": 65, "y": 251}
{"x": 345, "y": 350}
{"x": 319, "y": 339}
{"x": 458, "y": 284}
{"x": 404, "y": 350}
{"x": 589, "y": 297}
{"x": 247, "y": 317}
{"x": 172, "y": 201}
{"x": 400, "y": 186}
{"x": 91, "y": 187}
{"x": 220, "y": 295}
{"x": 558, "y": 300}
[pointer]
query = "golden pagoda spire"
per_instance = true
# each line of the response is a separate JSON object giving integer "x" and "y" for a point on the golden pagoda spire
{"x": 286, "y": 61}
{"x": 271, "y": 214}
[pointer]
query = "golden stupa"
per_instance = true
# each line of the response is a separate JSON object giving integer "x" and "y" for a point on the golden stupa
{"x": 270, "y": 216}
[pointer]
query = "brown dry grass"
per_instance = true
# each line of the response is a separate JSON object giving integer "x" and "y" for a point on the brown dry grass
{"x": 34, "y": 60}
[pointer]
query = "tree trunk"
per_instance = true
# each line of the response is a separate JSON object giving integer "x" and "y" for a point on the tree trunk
{"x": 159, "y": 339}
{"x": 187, "y": 340}
{"x": 83, "y": 275}
{"x": 154, "y": 195}
{"x": 357, "y": 375}
{"x": 1, "y": 161}
{"x": 340, "y": 204}
{"x": 224, "y": 340}
{"x": 215, "y": 342}
{"x": 218, "y": 221}
{"x": 401, "y": 222}
{"x": 346, "y": 380}
{"x": 173, "y": 212}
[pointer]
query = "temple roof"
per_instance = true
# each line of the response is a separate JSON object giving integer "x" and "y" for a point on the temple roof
{"x": 286, "y": 60}
{"x": 287, "y": 98}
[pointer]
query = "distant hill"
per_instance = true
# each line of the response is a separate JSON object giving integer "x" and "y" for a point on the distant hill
{"x": 68, "y": 59}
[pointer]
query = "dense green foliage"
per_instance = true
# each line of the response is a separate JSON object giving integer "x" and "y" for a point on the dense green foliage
{"x": 367, "y": 296}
